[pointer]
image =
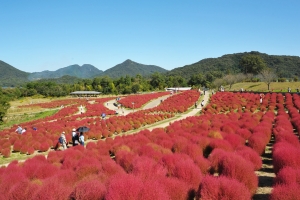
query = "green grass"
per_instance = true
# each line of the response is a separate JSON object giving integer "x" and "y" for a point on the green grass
{"x": 27, "y": 117}
{"x": 263, "y": 87}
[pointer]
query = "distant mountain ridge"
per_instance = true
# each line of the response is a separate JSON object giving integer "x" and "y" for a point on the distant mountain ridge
{"x": 84, "y": 71}
{"x": 131, "y": 68}
{"x": 284, "y": 66}
{"x": 11, "y": 76}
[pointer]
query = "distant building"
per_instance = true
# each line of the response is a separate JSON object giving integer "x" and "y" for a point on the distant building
{"x": 175, "y": 89}
{"x": 85, "y": 93}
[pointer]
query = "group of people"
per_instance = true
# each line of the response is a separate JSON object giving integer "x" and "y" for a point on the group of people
{"x": 77, "y": 139}
{"x": 202, "y": 104}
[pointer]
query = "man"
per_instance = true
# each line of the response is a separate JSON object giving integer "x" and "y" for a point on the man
{"x": 19, "y": 129}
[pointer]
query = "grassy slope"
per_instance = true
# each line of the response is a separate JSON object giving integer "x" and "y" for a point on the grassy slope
{"x": 262, "y": 87}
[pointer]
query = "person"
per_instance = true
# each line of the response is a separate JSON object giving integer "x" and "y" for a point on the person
{"x": 289, "y": 89}
{"x": 24, "y": 130}
{"x": 202, "y": 103}
{"x": 297, "y": 90}
{"x": 19, "y": 129}
{"x": 34, "y": 128}
{"x": 74, "y": 133}
{"x": 103, "y": 115}
{"x": 81, "y": 139}
{"x": 195, "y": 104}
{"x": 63, "y": 141}
{"x": 123, "y": 111}
{"x": 260, "y": 99}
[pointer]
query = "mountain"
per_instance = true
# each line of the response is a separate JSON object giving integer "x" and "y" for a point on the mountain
{"x": 84, "y": 71}
{"x": 10, "y": 76}
{"x": 132, "y": 68}
{"x": 284, "y": 66}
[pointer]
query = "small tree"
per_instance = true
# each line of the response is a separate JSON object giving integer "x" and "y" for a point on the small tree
{"x": 267, "y": 76}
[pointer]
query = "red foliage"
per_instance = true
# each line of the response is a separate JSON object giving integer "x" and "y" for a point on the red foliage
{"x": 89, "y": 189}
{"x": 285, "y": 192}
{"x": 153, "y": 189}
{"x": 124, "y": 187}
{"x": 285, "y": 155}
{"x": 234, "y": 166}
{"x": 223, "y": 188}
{"x": 250, "y": 155}
{"x": 288, "y": 175}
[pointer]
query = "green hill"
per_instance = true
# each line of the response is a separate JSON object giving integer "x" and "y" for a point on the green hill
{"x": 10, "y": 76}
{"x": 284, "y": 66}
{"x": 84, "y": 71}
{"x": 132, "y": 68}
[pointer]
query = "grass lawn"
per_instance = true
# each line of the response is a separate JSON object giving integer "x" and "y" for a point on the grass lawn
{"x": 263, "y": 87}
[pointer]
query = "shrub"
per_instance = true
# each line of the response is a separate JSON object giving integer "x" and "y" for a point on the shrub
{"x": 124, "y": 187}
{"x": 6, "y": 152}
{"x": 89, "y": 189}
{"x": 285, "y": 155}
{"x": 257, "y": 143}
{"x": 153, "y": 189}
{"x": 146, "y": 168}
{"x": 250, "y": 155}
{"x": 223, "y": 188}
{"x": 285, "y": 192}
{"x": 176, "y": 189}
{"x": 287, "y": 176}
{"x": 234, "y": 166}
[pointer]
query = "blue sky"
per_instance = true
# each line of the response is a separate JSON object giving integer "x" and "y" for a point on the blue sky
{"x": 42, "y": 35}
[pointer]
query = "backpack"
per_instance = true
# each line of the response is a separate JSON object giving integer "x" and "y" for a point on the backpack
{"x": 61, "y": 140}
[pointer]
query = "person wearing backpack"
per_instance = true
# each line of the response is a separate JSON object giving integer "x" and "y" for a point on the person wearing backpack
{"x": 62, "y": 140}
{"x": 81, "y": 139}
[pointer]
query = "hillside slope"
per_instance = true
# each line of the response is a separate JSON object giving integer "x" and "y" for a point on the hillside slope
{"x": 84, "y": 71}
{"x": 132, "y": 68}
{"x": 284, "y": 66}
{"x": 10, "y": 76}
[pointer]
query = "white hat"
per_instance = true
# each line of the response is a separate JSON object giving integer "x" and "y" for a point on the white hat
{"x": 63, "y": 132}
{"x": 74, "y": 129}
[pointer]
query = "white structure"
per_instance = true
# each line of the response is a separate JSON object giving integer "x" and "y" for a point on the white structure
{"x": 175, "y": 89}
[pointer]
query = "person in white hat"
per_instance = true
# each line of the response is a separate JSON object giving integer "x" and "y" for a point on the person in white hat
{"x": 74, "y": 137}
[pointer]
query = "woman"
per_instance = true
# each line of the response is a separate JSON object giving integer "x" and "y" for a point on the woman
{"x": 81, "y": 139}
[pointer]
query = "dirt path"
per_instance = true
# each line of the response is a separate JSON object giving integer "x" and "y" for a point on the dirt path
{"x": 265, "y": 175}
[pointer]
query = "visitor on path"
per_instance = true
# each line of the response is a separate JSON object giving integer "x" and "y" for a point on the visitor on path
{"x": 74, "y": 134}
{"x": 103, "y": 115}
{"x": 62, "y": 140}
{"x": 34, "y": 128}
{"x": 123, "y": 111}
{"x": 81, "y": 139}
{"x": 196, "y": 104}
{"x": 19, "y": 130}
{"x": 202, "y": 103}
{"x": 289, "y": 89}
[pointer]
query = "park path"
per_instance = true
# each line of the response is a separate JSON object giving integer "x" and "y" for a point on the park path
{"x": 155, "y": 103}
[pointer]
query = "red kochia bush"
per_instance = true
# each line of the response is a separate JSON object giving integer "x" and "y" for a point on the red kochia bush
{"x": 223, "y": 188}
{"x": 177, "y": 190}
{"x": 249, "y": 154}
{"x": 288, "y": 175}
{"x": 124, "y": 187}
{"x": 285, "y": 192}
{"x": 285, "y": 155}
{"x": 89, "y": 189}
{"x": 153, "y": 189}
{"x": 234, "y": 166}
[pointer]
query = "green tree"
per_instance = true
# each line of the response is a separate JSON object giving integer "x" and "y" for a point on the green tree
{"x": 251, "y": 63}
{"x": 4, "y": 105}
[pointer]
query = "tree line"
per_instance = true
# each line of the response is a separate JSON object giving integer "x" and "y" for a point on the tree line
{"x": 253, "y": 68}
